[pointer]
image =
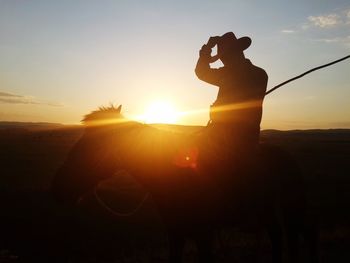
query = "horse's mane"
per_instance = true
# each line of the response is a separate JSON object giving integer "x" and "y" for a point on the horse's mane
{"x": 103, "y": 113}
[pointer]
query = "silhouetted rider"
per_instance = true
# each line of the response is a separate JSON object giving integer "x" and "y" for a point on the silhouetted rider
{"x": 236, "y": 114}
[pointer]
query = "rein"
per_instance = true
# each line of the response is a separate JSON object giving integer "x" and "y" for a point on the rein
{"x": 116, "y": 213}
{"x": 111, "y": 211}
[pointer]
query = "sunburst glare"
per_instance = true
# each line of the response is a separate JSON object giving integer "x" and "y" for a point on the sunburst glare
{"x": 160, "y": 112}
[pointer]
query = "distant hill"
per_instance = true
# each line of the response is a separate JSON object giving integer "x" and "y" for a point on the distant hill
{"x": 29, "y": 125}
{"x": 315, "y": 135}
{"x": 313, "y": 131}
{"x": 41, "y": 126}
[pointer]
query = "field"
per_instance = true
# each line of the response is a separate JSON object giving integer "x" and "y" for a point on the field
{"x": 31, "y": 153}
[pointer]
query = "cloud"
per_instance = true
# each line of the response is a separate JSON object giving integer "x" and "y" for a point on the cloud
{"x": 331, "y": 28}
{"x": 341, "y": 40}
{"x": 331, "y": 20}
{"x": 288, "y": 31}
{"x": 330, "y": 40}
{"x": 10, "y": 98}
{"x": 5, "y": 94}
{"x": 325, "y": 21}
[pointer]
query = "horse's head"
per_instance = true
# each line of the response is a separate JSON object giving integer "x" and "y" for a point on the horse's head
{"x": 94, "y": 157}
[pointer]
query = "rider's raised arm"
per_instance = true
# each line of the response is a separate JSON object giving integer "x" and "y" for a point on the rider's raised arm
{"x": 206, "y": 73}
{"x": 203, "y": 70}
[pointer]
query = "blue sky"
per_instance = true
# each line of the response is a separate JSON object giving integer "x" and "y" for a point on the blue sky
{"x": 62, "y": 59}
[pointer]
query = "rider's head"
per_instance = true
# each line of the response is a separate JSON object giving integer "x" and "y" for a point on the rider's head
{"x": 230, "y": 49}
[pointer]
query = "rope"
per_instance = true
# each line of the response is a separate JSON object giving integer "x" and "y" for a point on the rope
{"x": 305, "y": 73}
{"x": 135, "y": 210}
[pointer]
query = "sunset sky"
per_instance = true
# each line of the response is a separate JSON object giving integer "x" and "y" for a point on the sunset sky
{"x": 61, "y": 59}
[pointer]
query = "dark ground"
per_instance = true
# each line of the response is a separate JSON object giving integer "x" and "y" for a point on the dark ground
{"x": 31, "y": 153}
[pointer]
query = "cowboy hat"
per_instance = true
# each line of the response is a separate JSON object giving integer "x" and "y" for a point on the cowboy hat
{"x": 229, "y": 41}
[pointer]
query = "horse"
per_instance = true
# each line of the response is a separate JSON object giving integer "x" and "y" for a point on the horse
{"x": 190, "y": 196}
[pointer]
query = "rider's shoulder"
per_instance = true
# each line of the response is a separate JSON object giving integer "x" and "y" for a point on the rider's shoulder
{"x": 260, "y": 72}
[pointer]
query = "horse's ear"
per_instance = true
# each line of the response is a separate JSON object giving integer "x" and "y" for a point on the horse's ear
{"x": 119, "y": 108}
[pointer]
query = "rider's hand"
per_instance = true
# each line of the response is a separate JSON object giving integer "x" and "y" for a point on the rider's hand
{"x": 205, "y": 51}
{"x": 213, "y": 41}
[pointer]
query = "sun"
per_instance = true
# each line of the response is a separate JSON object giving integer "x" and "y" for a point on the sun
{"x": 160, "y": 112}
